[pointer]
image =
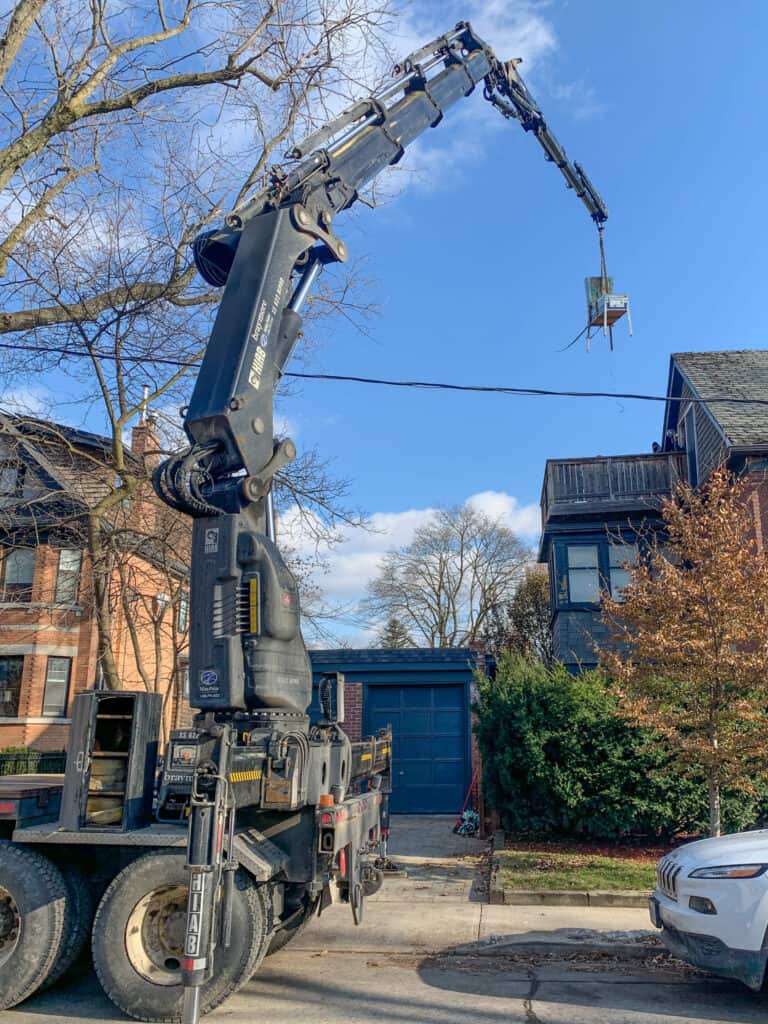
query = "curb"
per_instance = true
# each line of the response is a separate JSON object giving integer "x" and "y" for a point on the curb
{"x": 568, "y": 898}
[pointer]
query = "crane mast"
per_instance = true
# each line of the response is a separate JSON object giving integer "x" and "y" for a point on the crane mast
{"x": 250, "y": 676}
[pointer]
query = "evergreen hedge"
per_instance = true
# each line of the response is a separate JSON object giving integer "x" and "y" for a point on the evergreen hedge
{"x": 559, "y": 759}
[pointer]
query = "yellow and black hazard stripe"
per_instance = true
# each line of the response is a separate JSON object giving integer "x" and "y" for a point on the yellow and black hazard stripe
{"x": 250, "y": 776}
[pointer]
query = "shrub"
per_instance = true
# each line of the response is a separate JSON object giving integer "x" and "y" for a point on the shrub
{"x": 559, "y": 758}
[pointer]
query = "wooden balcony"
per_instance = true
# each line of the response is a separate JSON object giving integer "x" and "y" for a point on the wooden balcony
{"x": 591, "y": 488}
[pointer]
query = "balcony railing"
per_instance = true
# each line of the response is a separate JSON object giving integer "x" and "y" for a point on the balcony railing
{"x": 575, "y": 487}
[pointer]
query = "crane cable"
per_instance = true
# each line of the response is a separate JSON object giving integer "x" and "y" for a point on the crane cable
{"x": 603, "y": 281}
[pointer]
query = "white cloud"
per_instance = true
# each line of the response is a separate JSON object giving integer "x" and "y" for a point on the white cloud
{"x": 512, "y": 29}
{"x": 580, "y": 97}
{"x": 32, "y": 400}
{"x": 284, "y": 426}
{"x": 355, "y": 558}
{"x": 524, "y": 520}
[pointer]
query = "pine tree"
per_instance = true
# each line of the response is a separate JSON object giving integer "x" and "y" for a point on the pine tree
{"x": 395, "y": 635}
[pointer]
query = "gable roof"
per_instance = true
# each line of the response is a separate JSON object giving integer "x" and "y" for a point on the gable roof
{"x": 74, "y": 462}
{"x": 740, "y": 373}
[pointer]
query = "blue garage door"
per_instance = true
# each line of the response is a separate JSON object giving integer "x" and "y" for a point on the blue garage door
{"x": 429, "y": 755}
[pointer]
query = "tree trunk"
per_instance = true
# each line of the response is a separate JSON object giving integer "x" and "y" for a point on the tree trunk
{"x": 715, "y": 823}
{"x": 101, "y": 570}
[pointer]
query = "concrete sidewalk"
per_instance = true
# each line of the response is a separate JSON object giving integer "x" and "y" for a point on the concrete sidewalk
{"x": 444, "y": 871}
{"x": 408, "y": 927}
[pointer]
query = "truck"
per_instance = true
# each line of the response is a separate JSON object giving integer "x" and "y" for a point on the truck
{"x": 185, "y": 871}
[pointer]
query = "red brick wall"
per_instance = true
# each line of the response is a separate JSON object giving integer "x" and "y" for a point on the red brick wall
{"x": 41, "y": 628}
{"x": 353, "y": 710}
{"x": 488, "y": 819}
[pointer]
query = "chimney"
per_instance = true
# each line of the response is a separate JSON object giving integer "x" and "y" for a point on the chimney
{"x": 145, "y": 443}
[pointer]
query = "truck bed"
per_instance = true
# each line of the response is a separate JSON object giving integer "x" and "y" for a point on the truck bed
{"x": 30, "y": 799}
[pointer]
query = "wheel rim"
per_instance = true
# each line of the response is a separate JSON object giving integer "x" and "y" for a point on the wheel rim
{"x": 154, "y": 934}
{"x": 10, "y": 925}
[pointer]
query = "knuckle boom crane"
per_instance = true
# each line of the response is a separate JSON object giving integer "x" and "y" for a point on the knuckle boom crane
{"x": 253, "y": 750}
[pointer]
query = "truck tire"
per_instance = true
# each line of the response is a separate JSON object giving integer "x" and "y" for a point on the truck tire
{"x": 138, "y": 938}
{"x": 298, "y": 922}
{"x": 78, "y": 918}
{"x": 33, "y": 899}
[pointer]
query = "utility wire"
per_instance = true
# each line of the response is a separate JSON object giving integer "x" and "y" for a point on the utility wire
{"x": 431, "y": 385}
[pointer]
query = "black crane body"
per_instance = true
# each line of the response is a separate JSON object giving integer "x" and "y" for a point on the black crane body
{"x": 260, "y": 790}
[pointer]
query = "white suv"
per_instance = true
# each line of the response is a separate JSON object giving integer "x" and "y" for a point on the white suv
{"x": 711, "y": 903}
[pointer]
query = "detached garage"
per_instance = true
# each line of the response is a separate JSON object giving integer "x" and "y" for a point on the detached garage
{"x": 425, "y": 695}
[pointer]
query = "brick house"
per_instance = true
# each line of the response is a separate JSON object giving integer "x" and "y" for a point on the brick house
{"x": 50, "y": 475}
{"x": 596, "y": 510}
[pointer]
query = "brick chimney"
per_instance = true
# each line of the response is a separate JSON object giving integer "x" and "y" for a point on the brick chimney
{"x": 145, "y": 442}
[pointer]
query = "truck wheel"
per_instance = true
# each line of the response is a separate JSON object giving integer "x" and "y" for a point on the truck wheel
{"x": 78, "y": 918}
{"x": 297, "y": 922}
{"x": 138, "y": 938}
{"x": 32, "y": 909}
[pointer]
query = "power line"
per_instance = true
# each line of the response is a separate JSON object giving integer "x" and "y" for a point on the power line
{"x": 497, "y": 389}
{"x": 429, "y": 385}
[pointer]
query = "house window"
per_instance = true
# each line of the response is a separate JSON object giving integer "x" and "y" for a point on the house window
{"x": 583, "y": 574}
{"x": 11, "y": 668}
{"x": 11, "y": 478}
{"x": 619, "y": 556}
{"x": 56, "y": 692}
{"x": 18, "y": 574}
{"x": 183, "y": 616}
{"x": 68, "y": 575}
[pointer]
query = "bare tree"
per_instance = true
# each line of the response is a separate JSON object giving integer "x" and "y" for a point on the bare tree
{"x": 444, "y": 584}
{"x": 131, "y": 129}
{"x": 523, "y": 625}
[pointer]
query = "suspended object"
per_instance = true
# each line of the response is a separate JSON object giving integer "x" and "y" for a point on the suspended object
{"x": 604, "y": 306}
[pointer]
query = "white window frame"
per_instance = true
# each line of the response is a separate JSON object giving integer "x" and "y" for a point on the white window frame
{"x": 60, "y": 710}
{"x": 64, "y": 577}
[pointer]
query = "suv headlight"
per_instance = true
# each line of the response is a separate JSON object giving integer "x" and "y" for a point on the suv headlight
{"x": 730, "y": 871}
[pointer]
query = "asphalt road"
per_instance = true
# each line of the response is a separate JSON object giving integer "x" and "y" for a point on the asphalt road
{"x": 398, "y": 967}
{"x": 363, "y": 988}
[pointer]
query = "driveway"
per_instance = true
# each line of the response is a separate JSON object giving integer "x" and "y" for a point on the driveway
{"x": 400, "y": 966}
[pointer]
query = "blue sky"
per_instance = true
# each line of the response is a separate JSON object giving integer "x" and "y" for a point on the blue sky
{"x": 478, "y": 264}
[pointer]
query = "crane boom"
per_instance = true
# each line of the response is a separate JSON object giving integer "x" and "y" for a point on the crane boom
{"x": 288, "y": 226}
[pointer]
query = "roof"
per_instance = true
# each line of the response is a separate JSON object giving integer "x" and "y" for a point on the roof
{"x": 388, "y": 655}
{"x": 740, "y": 373}
{"x": 397, "y": 666}
{"x": 75, "y": 462}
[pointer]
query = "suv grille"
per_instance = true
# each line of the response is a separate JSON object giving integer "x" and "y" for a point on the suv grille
{"x": 666, "y": 875}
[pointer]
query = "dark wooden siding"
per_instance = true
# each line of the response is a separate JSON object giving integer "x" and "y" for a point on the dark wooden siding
{"x": 710, "y": 449}
{"x": 577, "y": 635}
